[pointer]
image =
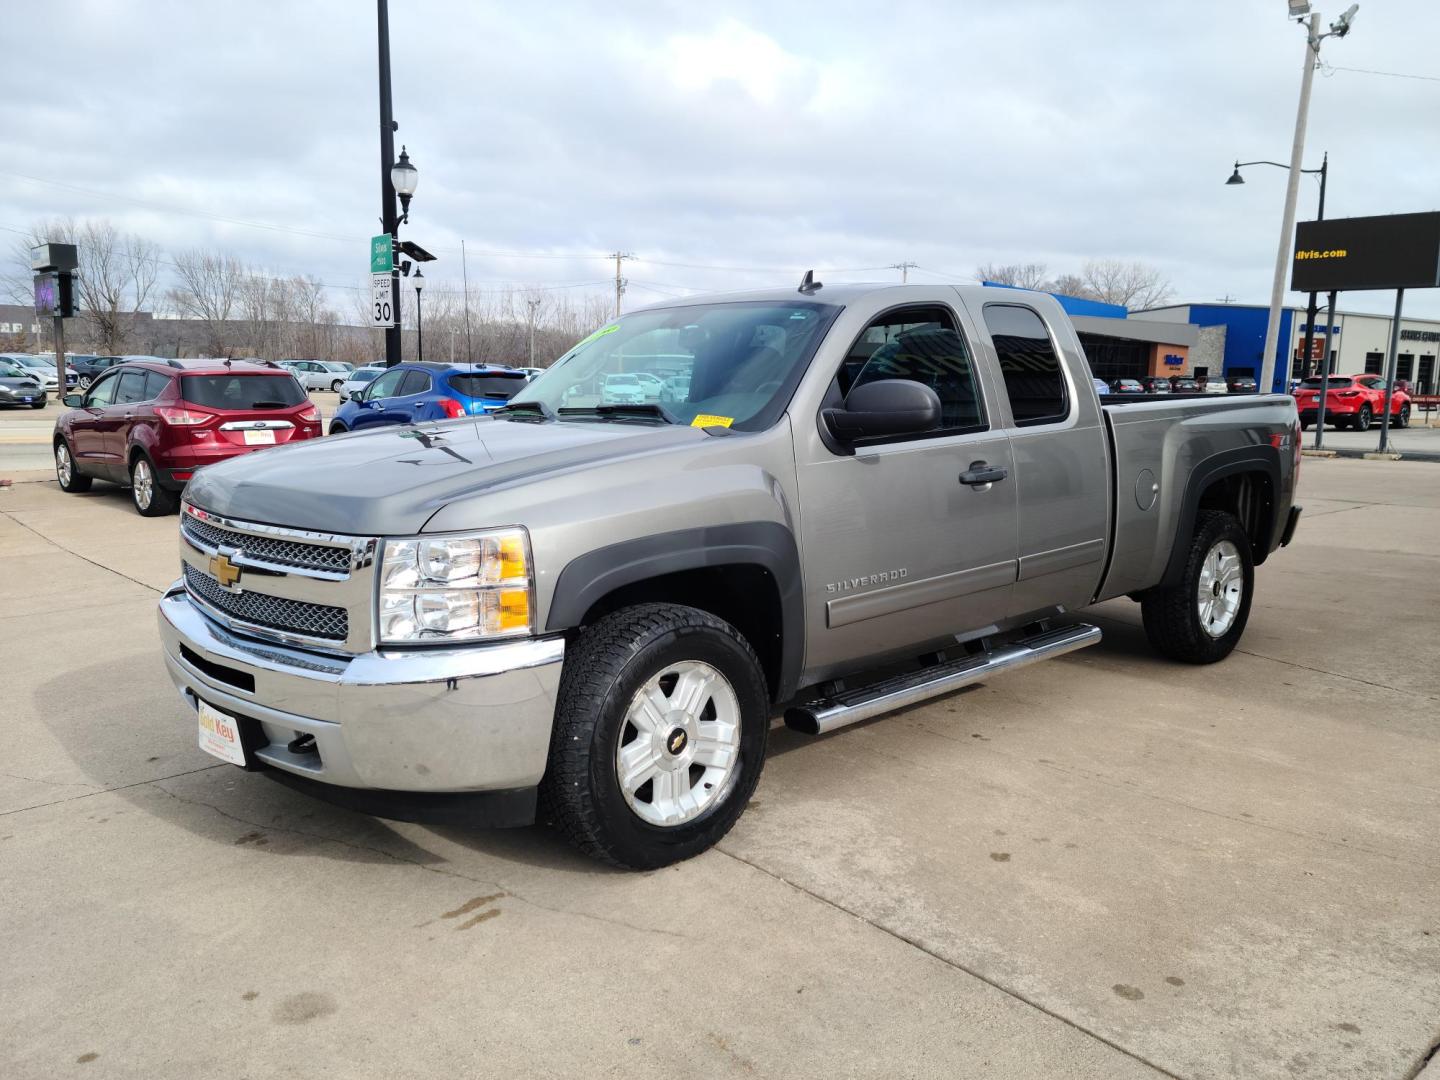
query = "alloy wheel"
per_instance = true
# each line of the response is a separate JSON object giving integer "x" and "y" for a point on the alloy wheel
{"x": 679, "y": 748}
{"x": 143, "y": 483}
{"x": 1222, "y": 585}
{"x": 64, "y": 469}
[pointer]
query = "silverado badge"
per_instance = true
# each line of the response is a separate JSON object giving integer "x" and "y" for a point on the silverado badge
{"x": 224, "y": 571}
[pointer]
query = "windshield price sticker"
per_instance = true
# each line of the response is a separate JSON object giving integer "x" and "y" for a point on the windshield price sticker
{"x": 706, "y": 420}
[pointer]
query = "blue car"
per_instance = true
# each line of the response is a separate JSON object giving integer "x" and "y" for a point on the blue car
{"x": 425, "y": 391}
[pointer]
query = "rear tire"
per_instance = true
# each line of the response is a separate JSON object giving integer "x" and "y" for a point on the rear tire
{"x": 1304, "y": 425}
{"x": 335, "y": 386}
{"x": 692, "y": 768}
{"x": 1200, "y": 619}
{"x": 337, "y": 429}
{"x": 150, "y": 499}
{"x": 71, "y": 480}
{"x": 1362, "y": 419}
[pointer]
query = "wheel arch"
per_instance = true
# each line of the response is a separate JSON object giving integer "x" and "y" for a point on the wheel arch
{"x": 1244, "y": 482}
{"x": 746, "y": 573}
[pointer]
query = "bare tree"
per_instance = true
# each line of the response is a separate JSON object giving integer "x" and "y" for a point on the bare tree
{"x": 1021, "y": 275}
{"x": 117, "y": 276}
{"x": 1071, "y": 285}
{"x": 207, "y": 289}
{"x": 1131, "y": 284}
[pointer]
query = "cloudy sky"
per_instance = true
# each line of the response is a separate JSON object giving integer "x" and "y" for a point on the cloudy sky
{"x": 725, "y": 144}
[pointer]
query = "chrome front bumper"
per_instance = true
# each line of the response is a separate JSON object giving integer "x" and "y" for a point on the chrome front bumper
{"x": 443, "y": 720}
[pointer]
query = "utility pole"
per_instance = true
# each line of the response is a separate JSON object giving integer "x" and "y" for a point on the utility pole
{"x": 465, "y": 274}
{"x": 533, "y": 305}
{"x": 389, "y": 219}
{"x": 619, "y": 257}
{"x": 1339, "y": 28}
{"x": 904, "y": 268}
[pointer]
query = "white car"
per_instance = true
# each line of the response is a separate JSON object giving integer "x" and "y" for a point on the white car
{"x": 318, "y": 374}
{"x": 359, "y": 379}
{"x": 531, "y": 371}
{"x": 622, "y": 389}
{"x": 44, "y": 367}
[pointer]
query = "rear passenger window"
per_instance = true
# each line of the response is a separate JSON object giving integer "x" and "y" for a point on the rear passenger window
{"x": 920, "y": 344}
{"x": 155, "y": 384}
{"x": 132, "y": 388}
{"x": 1034, "y": 381}
{"x": 416, "y": 382}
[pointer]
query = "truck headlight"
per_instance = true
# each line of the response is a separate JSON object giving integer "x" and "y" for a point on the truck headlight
{"x": 456, "y": 588}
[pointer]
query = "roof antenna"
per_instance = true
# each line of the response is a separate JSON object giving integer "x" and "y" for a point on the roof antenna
{"x": 808, "y": 284}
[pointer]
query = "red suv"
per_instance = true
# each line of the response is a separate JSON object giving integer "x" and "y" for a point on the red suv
{"x": 1351, "y": 401}
{"x": 152, "y": 424}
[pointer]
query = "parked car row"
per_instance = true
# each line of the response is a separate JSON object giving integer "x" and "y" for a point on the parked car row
{"x": 20, "y": 386}
{"x": 43, "y": 366}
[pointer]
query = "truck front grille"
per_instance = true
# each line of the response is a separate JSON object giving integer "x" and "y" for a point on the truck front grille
{"x": 268, "y": 549}
{"x": 272, "y": 612}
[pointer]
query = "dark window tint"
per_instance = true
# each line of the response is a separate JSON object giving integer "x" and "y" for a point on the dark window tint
{"x": 491, "y": 386}
{"x": 103, "y": 391}
{"x": 387, "y": 385}
{"x": 236, "y": 391}
{"x": 1034, "y": 381}
{"x": 155, "y": 384}
{"x": 922, "y": 345}
{"x": 416, "y": 382}
{"x": 1314, "y": 384}
{"x": 132, "y": 388}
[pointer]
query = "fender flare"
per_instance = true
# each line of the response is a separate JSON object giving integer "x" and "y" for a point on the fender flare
{"x": 589, "y": 578}
{"x": 1243, "y": 459}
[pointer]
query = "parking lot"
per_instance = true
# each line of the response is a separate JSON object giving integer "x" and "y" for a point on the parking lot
{"x": 1106, "y": 866}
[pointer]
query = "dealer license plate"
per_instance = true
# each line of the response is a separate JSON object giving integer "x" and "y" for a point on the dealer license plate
{"x": 220, "y": 735}
{"x": 259, "y": 437}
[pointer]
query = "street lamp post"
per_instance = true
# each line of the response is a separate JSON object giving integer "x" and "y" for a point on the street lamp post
{"x": 396, "y": 178}
{"x": 1312, "y": 308}
{"x": 1339, "y": 28}
{"x": 419, "y": 282}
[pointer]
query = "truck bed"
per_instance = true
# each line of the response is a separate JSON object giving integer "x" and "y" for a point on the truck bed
{"x": 1158, "y": 443}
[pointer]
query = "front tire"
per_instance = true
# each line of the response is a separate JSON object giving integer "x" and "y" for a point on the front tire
{"x": 335, "y": 386}
{"x": 1402, "y": 418}
{"x": 71, "y": 480}
{"x": 1200, "y": 619}
{"x": 659, "y": 737}
{"x": 150, "y": 499}
{"x": 85, "y": 381}
{"x": 38, "y": 404}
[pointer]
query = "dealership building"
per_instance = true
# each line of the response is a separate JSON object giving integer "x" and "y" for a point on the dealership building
{"x": 1359, "y": 342}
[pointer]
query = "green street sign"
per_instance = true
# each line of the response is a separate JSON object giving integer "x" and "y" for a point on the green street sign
{"x": 382, "y": 254}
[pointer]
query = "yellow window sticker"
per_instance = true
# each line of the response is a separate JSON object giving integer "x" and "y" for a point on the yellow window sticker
{"x": 601, "y": 333}
{"x": 706, "y": 420}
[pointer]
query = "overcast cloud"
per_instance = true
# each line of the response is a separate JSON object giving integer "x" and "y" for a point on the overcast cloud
{"x": 765, "y": 137}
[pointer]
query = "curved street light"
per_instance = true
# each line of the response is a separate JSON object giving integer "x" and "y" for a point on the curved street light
{"x": 404, "y": 178}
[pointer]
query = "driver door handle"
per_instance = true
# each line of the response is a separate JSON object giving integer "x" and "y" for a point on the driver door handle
{"x": 983, "y": 474}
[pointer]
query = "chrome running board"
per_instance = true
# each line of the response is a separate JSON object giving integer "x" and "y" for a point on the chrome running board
{"x": 851, "y": 706}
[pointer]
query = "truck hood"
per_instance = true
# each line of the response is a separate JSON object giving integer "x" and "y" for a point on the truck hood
{"x": 391, "y": 481}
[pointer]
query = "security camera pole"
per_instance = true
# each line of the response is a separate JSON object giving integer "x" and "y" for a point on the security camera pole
{"x": 1339, "y": 28}
{"x": 55, "y": 266}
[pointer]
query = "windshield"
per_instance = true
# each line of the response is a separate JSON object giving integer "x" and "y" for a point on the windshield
{"x": 237, "y": 391}
{"x": 493, "y": 385}
{"x": 365, "y": 374}
{"x": 732, "y": 364}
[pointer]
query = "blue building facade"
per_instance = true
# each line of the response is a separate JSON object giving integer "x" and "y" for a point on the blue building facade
{"x": 1245, "y": 339}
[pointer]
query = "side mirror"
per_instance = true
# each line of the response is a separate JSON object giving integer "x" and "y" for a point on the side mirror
{"x": 885, "y": 407}
{"x": 74, "y": 400}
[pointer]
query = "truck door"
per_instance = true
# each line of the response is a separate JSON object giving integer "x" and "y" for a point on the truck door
{"x": 900, "y": 553}
{"x": 1062, "y": 465}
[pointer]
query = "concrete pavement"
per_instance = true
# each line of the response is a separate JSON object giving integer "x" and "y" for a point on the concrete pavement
{"x": 1106, "y": 866}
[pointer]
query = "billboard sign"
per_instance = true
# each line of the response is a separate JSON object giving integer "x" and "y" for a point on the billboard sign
{"x": 1389, "y": 251}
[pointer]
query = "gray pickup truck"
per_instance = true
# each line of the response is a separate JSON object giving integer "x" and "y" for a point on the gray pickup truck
{"x": 860, "y": 497}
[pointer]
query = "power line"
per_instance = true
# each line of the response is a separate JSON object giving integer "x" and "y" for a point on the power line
{"x": 1389, "y": 74}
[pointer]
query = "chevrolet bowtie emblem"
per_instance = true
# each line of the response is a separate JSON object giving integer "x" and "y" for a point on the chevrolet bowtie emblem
{"x": 224, "y": 571}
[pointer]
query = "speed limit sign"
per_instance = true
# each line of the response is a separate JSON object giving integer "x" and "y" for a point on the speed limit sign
{"x": 382, "y": 300}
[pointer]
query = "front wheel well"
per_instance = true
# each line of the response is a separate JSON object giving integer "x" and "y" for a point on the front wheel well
{"x": 745, "y": 595}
